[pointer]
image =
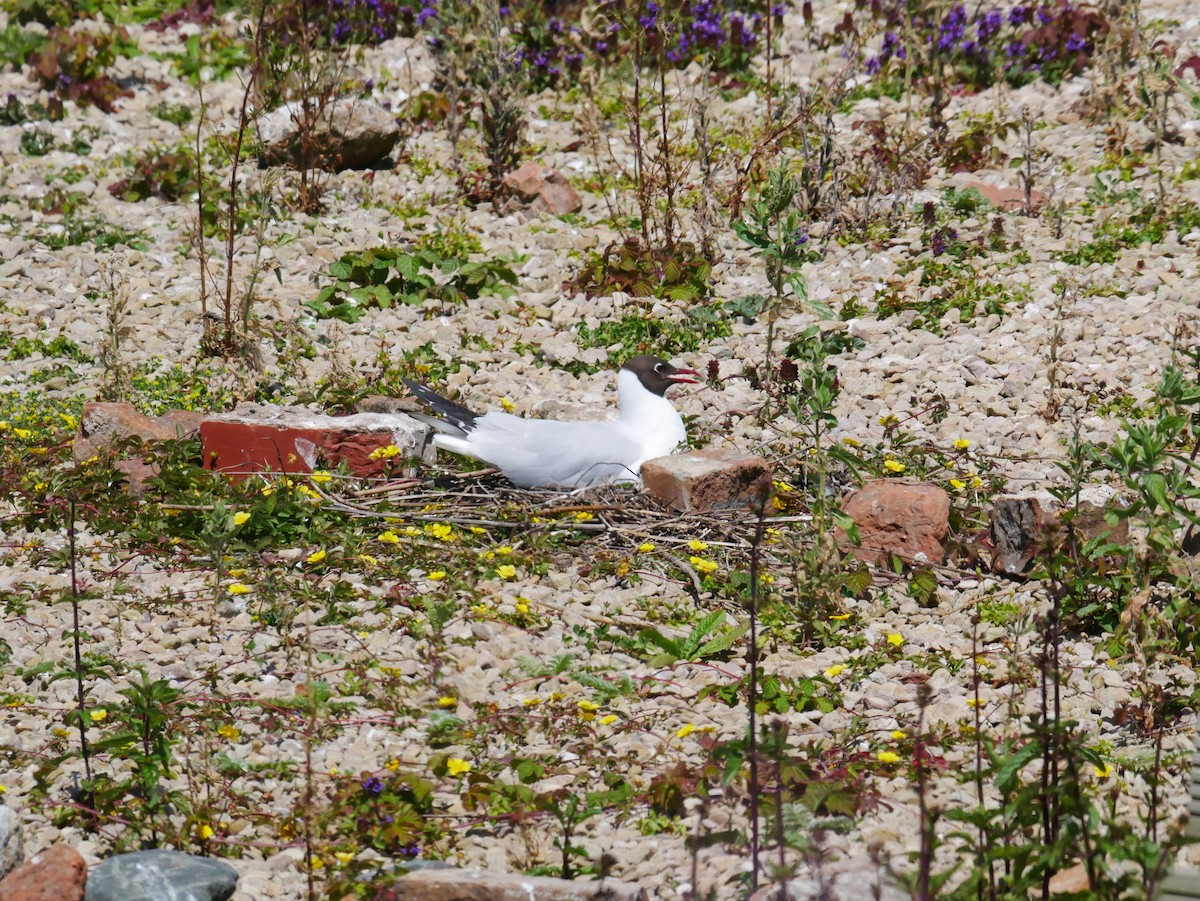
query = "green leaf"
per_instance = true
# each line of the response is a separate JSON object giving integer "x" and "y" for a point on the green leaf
{"x": 721, "y": 643}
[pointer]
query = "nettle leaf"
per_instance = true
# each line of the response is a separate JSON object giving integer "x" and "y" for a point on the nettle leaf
{"x": 722, "y": 643}
{"x": 408, "y": 266}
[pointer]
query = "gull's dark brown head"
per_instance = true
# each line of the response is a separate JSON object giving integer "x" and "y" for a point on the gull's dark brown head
{"x": 657, "y": 375}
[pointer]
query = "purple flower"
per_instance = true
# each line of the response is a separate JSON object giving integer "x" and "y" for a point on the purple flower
{"x": 373, "y": 785}
{"x": 1018, "y": 15}
{"x": 1075, "y": 43}
{"x": 989, "y": 25}
{"x": 426, "y": 13}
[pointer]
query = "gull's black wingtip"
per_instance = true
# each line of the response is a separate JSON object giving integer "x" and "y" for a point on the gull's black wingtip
{"x": 448, "y": 410}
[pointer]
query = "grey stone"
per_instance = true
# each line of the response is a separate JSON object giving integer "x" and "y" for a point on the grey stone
{"x": 161, "y": 876}
{"x": 12, "y": 850}
{"x": 347, "y": 134}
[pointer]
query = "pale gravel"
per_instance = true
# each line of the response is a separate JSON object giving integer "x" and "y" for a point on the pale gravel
{"x": 992, "y": 371}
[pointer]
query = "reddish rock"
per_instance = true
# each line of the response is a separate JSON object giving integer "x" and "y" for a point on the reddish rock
{"x": 1070, "y": 881}
{"x": 103, "y": 425}
{"x": 453, "y": 884}
{"x": 1008, "y": 199}
{"x": 539, "y": 187}
{"x": 261, "y": 438}
{"x": 56, "y": 874}
{"x": 707, "y": 480}
{"x": 899, "y": 517}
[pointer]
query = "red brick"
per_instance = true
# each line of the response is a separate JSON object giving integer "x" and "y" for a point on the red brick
{"x": 707, "y": 480}
{"x": 274, "y": 439}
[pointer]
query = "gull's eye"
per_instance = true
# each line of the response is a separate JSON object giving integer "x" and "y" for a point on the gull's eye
{"x": 658, "y": 367}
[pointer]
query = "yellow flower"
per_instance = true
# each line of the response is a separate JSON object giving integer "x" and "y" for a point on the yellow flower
{"x": 268, "y": 490}
{"x": 320, "y": 476}
{"x": 504, "y": 550}
{"x": 235, "y": 573}
{"x": 961, "y": 443}
{"x": 98, "y": 716}
{"x": 608, "y": 720}
{"x": 239, "y": 588}
{"x": 229, "y": 731}
{"x": 60, "y": 732}
{"x": 583, "y": 516}
{"x": 888, "y": 419}
{"x": 315, "y": 556}
{"x": 703, "y": 565}
{"x": 317, "y": 863}
{"x": 645, "y": 547}
{"x": 456, "y": 766}
{"x": 384, "y": 453}
{"x": 506, "y": 571}
{"x": 481, "y": 609}
{"x": 362, "y": 635}
{"x": 3, "y": 788}
{"x": 898, "y": 734}
{"x": 368, "y": 559}
{"x": 521, "y": 607}
{"x": 204, "y": 831}
{"x": 436, "y": 576}
{"x": 507, "y": 404}
{"x": 888, "y": 757}
{"x": 392, "y": 765}
{"x": 895, "y": 639}
{"x": 587, "y": 706}
{"x": 783, "y": 487}
{"x": 343, "y": 857}
{"x": 958, "y": 484}
{"x": 23, "y": 434}
{"x": 893, "y": 465}
{"x": 447, "y": 701}
{"x": 833, "y": 671}
{"x": 974, "y": 702}
{"x": 697, "y": 545}
{"x": 685, "y": 730}
{"x": 477, "y": 530}
{"x": 1103, "y": 772}
{"x": 389, "y": 537}
{"x": 976, "y": 482}
{"x": 839, "y": 616}
{"x": 439, "y": 530}
{"x": 532, "y": 702}
{"x": 241, "y": 518}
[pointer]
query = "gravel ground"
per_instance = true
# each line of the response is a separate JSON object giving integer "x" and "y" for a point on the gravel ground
{"x": 1113, "y": 332}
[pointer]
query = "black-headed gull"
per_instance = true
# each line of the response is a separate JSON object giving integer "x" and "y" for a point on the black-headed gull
{"x": 535, "y": 453}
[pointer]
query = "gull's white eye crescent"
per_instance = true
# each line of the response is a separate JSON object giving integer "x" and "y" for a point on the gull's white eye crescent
{"x": 658, "y": 367}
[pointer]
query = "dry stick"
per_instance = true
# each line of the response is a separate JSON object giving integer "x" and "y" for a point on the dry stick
{"x": 243, "y": 123}
{"x": 774, "y": 135}
{"x": 83, "y": 742}
{"x": 752, "y": 695}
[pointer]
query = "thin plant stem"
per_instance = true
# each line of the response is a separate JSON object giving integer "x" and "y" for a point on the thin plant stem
{"x": 752, "y": 694}
{"x": 79, "y": 692}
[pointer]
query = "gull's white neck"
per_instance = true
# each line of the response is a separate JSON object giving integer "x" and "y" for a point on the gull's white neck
{"x": 652, "y": 418}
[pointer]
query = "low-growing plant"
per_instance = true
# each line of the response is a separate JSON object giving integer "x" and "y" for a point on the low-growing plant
{"x": 631, "y": 266}
{"x": 381, "y": 276}
{"x": 75, "y": 63}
